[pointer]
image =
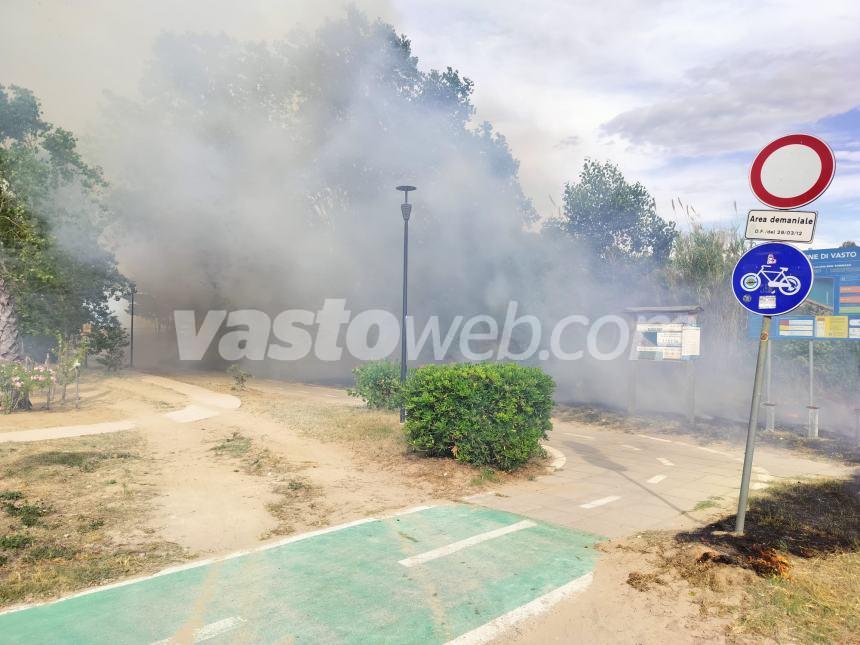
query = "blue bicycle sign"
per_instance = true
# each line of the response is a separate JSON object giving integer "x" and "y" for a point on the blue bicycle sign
{"x": 772, "y": 279}
{"x": 787, "y": 284}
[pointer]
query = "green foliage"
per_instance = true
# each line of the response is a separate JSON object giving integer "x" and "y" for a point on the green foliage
{"x": 378, "y": 383}
{"x": 70, "y": 356}
{"x": 616, "y": 219}
{"x": 109, "y": 343}
{"x": 240, "y": 377}
{"x": 15, "y": 541}
{"x": 19, "y": 380}
{"x": 51, "y": 220}
{"x": 699, "y": 272}
{"x": 486, "y": 414}
{"x": 28, "y": 514}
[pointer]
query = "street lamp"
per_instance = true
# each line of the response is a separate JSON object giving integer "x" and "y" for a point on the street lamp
{"x": 131, "y": 335}
{"x": 406, "y": 211}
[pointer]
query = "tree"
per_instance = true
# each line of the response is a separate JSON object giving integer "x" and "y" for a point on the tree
{"x": 54, "y": 274}
{"x": 616, "y": 219}
{"x": 848, "y": 244}
{"x": 699, "y": 272}
{"x": 280, "y": 162}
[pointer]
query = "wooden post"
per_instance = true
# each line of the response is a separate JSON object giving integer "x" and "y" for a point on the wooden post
{"x": 691, "y": 392}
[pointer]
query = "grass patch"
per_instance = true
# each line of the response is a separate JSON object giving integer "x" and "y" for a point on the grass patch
{"x": 236, "y": 445}
{"x": 15, "y": 541}
{"x": 486, "y": 476}
{"x": 85, "y": 460}
{"x": 711, "y": 502}
{"x": 28, "y": 514}
{"x": 795, "y": 572}
{"x": 57, "y": 488}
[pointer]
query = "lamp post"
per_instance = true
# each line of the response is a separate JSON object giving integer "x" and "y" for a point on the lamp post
{"x": 406, "y": 211}
{"x": 131, "y": 334}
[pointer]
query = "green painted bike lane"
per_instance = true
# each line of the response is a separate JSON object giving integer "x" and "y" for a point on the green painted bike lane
{"x": 343, "y": 586}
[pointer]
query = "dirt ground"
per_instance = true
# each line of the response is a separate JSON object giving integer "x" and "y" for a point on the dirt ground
{"x": 291, "y": 458}
{"x": 77, "y": 512}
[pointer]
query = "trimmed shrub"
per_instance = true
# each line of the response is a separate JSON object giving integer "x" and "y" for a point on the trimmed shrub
{"x": 486, "y": 414}
{"x": 378, "y": 383}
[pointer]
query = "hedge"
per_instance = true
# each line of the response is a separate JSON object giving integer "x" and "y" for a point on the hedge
{"x": 486, "y": 414}
{"x": 378, "y": 383}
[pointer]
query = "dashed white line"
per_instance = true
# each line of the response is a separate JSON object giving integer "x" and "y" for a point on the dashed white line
{"x": 493, "y": 629}
{"x": 665, "y": 461}
{"x": 209, "y": 631}
{"x": 600, "y": 502}
{"x": 629, "y": 447}
{"x": 469, "y": 498}
{"x": 656, "y": 479}
{"x": 648, "y": 436}
{"x": 448, "y": 549}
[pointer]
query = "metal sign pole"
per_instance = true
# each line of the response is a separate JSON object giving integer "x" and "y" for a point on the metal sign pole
{"x": 812, "y": 431}
{"x": 770, "y": 406}
{"x": 753, "y": 424}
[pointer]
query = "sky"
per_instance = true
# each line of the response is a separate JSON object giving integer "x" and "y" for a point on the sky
{"x": 681, "y": 95}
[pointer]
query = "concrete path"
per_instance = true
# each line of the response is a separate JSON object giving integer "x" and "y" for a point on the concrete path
{"x": 615, "y": 483}
{"x": 204, "y": 405}
{"x": 450, "y": 574}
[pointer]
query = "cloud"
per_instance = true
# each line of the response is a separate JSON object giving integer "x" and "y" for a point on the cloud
{"x": 741, "y": 101}
{"x": 570, "y": 141}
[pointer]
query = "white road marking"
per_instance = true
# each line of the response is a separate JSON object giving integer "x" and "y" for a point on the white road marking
{"x": 580, "y": 436}
{"x": 493, "y": 629}
{"x": 629, "y": 447}
{"x": 448, "y": 549}
{"x": 210, "y": 631}
{"x": 665, "y": 461}
{"x": 408, "y": 511}
{"x": 713, "y": 451}
{"x": 600, "y": 502}
{"x": 656, "y": 479}
{"x": 191, "y": 413}
{"x": 469, "y": 498}
{"x": 648, "y": 436}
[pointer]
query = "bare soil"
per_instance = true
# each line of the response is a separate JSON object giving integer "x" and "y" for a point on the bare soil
{"x": 292, "y": 458}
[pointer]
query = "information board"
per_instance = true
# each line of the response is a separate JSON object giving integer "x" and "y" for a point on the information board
{"x": 667, "y": 341}
{"x": 834, "y": 301}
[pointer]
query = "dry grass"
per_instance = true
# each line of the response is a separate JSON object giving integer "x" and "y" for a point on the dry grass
{"x": 793, "y": 577}
{"x": 376, "y": 438}
{"x": 830, "y": 445}
{"x": 64, "y": 505}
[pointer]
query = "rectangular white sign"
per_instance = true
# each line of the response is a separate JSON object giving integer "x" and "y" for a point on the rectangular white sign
{"x": 781, "y": 226}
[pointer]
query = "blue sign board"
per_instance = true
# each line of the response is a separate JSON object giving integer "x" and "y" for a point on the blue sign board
{"x": 833, "y": 305}
{"x": 772, "y": 279}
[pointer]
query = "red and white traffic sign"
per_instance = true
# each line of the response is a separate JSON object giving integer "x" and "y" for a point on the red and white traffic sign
{"x": 792, "y": 171}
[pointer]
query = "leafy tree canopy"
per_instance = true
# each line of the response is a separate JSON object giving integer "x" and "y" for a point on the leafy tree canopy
{"x": 51, "y": 220}
{"x": 617, "y": 219}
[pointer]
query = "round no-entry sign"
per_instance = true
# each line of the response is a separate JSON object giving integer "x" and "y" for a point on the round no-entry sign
{"x": 792, "y": 171}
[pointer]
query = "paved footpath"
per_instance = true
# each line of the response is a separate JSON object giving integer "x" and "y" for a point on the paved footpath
{"x": 454, "y": 573}
{"x": 616, "y": 483}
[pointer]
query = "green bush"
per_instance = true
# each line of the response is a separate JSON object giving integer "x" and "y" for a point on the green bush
{"x": 378, "y": 383}
{"x": 486, "y": 414}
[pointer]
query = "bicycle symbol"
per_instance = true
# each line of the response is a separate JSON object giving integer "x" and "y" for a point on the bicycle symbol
{"x": 788, "y": 285}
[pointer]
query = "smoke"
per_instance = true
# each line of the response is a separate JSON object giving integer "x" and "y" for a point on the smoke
{"x": 257, "y": 170}
{"x": 261, "y": 175}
